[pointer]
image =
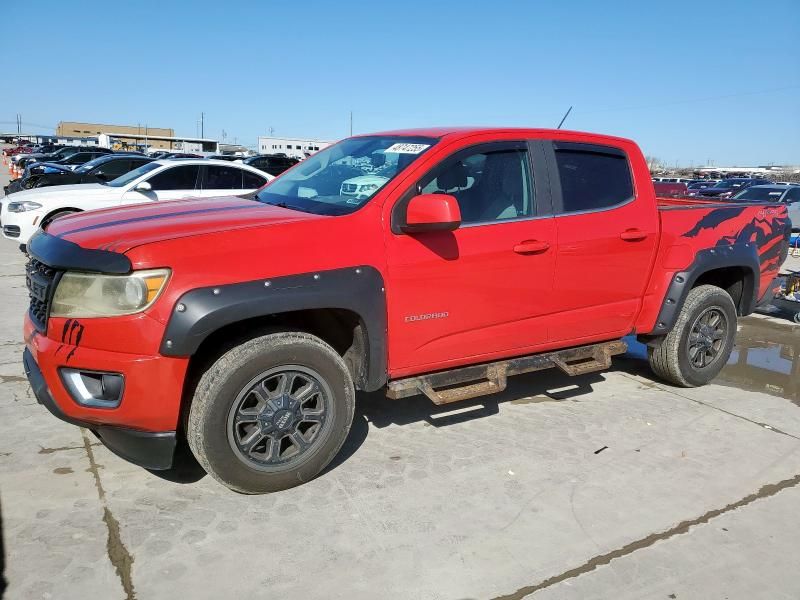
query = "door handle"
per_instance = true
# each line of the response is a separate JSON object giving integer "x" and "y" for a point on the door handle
{"x": 531, "y": 247}
{"x": 633, "y": 235}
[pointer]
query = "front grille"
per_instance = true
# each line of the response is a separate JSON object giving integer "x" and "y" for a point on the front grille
{"x": 40, "y": 280}
{"x": 11, "y": 230}
{"x": 349, "y": 188}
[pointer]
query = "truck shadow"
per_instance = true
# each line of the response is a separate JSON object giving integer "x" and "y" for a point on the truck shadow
{"x": 380, "y": 411}
{"x": 529, "y": 388}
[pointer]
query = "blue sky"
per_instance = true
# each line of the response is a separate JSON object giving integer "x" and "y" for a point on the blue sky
{"x": 689, "y": 81}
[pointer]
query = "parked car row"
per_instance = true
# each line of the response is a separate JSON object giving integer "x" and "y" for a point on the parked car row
{"x": 104, "y": 167}
{"x": 26, "y": 211}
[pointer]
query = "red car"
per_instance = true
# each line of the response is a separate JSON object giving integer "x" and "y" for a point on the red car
{"x": 24, "y": 149}
{"x": 670, "y": 190}
{"x": 433, "y": 261}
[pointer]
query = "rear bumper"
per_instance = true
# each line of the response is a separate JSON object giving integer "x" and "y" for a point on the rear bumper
{"x": 151, "y": 450}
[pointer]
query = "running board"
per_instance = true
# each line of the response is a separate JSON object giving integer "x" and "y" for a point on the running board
{"x": 478, "y": 380}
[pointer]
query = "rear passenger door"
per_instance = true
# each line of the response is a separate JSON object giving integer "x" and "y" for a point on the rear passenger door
{"x": 607, "y": 236}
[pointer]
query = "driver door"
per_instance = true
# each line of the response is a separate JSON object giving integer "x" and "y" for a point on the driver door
{"x": 483, "y": 290}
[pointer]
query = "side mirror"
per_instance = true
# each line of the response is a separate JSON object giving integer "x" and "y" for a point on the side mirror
{"x": 432, "y": 212}
{"x": 143, "y": 187}
{"x": 101, "y": 176}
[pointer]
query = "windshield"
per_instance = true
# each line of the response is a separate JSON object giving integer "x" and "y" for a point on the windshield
{"x": 342, "y": 178}
{"x": 131, "y": 175}
{"x": 62, "y": 152}
{"x": 88, "y": 166}
{"x": 760, "y": 194}
{"x": 728, "y": 183}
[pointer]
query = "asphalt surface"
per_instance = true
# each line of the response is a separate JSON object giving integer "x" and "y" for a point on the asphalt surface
{"x": 609, "y": 485}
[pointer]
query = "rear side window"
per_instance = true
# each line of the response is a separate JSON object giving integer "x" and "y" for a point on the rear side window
{"x": 222, "y": 178}
{"x": 592, "y": 177}
{"x": 251, "y": 180}
{"x": 183, "y": 177}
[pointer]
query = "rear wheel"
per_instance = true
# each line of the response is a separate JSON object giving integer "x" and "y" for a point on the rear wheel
{"x": 700, "y": 343}
{"x": 271, "y": 413}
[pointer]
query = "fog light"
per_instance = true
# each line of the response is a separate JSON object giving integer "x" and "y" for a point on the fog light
{"x": 94, "y": 388}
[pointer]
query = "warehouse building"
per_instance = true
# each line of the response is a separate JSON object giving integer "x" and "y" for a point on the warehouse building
{"x": 78, "y": 129}
{"x": 296, "y": 147}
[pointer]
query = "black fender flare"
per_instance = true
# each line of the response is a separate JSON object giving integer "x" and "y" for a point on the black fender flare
{"x": 200, "y": 312}
{"x": 735, "y": 255}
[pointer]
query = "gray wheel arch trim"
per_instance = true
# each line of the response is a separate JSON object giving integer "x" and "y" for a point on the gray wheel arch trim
{"x": 734, "y": 255}
{"x": 359, "y": 289}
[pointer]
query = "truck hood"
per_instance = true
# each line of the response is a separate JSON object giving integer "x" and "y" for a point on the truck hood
{"x": 120, "y": 229}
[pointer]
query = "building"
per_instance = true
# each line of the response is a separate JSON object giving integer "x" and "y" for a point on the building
{"x": 297, "y": 147}
{"x": 83, "y": 130}
{"x": 118, "y": 141}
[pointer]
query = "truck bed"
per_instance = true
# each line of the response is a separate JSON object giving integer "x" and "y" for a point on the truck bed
{"x": 708, "y": 223}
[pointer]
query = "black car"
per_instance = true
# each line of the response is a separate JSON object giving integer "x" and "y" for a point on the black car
{"x": 230, "y": 157}
{"x": 728, "y": 187}
{"x": 70, "y": 162}
{"x": 179, "y": 155}
{"x": 61, "y": 154}
{"x": 271, "y": 163}
{"x": 104, "y": 168}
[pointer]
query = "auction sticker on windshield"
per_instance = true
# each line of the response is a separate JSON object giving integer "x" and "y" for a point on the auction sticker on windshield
{"x": 407, "y": 148}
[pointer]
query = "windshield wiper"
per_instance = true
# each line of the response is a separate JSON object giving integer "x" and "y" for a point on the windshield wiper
{"x": 285, "y": 205}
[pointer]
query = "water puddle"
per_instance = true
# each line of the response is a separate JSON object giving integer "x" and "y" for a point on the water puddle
{"x": 766, "y": 358}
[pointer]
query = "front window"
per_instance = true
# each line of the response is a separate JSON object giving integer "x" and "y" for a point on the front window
{"x": 342, "y": 178}
{"x": 131, "y": 175}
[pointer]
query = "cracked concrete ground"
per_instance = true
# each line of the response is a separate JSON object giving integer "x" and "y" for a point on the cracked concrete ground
{"x": 609, "y": 485}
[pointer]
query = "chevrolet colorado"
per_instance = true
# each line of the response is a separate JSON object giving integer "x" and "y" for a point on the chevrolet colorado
{"x": 245, "y": 325}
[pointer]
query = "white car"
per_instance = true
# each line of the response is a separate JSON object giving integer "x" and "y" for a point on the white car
{"x": 24, "y": 212}
{"x": 362, "y": 187}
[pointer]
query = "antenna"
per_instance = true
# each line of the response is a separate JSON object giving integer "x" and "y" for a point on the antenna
{"x": 564, "y": 118}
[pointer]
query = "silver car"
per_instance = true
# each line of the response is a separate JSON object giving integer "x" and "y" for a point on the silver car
{"x": 787, "y": 194}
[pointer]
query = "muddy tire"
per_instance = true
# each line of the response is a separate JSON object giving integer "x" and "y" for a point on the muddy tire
{"x": 700, "y": 343}
{"x": 271, "y": 413}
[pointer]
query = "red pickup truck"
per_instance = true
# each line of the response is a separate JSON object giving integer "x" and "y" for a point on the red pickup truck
{"x": 434, "y": 261}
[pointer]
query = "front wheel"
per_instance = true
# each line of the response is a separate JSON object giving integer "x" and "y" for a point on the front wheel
{"x": 700, "y": 343}
{"x": 271, "y": 413}
{"x": 56, "y": 215}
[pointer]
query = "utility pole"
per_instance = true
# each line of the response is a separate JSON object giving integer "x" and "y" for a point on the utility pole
{"x": 19, "y": 125}
{"x": 202, "y": 119}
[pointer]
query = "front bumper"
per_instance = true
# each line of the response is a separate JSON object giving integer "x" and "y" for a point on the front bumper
{"x": 151, "y": 450}
{"x": 19, "y": 227}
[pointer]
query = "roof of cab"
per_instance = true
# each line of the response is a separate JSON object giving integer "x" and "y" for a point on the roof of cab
{"x": 462, "y": 131}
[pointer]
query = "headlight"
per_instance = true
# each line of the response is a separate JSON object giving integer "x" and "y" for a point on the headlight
{"x": 95, "y": 295}
{"x": 18, "y": 207}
